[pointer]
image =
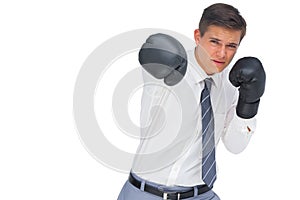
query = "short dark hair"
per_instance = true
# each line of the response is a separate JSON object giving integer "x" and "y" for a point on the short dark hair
{"x": 223, "y": 15}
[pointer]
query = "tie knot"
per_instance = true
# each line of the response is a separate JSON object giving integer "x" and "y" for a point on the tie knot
{"x": 207, "y": 83}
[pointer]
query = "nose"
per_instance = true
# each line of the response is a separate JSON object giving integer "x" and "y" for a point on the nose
{"x": 221, "y": 52}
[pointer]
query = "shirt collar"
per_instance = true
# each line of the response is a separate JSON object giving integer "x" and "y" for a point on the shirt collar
{"x": 198, "y": 73}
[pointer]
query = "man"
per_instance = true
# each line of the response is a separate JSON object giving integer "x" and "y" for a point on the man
{"x": 183, "y": 119}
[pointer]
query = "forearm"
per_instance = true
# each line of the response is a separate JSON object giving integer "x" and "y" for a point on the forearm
{"x": 238, "y": 132}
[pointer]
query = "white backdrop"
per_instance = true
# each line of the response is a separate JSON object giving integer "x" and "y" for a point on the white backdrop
{"x": 42, "y": 48}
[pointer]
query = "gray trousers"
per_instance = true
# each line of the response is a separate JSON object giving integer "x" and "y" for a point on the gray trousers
{"x": 130, "y": 192}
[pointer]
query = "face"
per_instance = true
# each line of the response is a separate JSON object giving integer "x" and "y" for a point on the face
{"x": 216, "y": 48}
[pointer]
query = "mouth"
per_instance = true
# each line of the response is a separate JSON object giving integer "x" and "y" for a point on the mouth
{"x": 218, "y": 63}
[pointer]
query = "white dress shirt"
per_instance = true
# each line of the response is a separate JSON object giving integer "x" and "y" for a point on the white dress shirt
{"x": 170, "y": 150}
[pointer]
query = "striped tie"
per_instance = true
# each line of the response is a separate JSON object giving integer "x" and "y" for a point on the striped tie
{"x": 208, "y": 140}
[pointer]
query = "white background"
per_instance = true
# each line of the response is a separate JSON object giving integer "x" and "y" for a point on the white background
{"x": 42, "y": 48}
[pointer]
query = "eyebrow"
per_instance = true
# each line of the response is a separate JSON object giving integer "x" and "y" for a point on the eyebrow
{"x": 214, "y": 38}
{"x": 232, "y": 43}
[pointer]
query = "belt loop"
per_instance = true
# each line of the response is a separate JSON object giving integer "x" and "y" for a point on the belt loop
{"x": 195, "y": 191}
{"x": 142, "y": 185}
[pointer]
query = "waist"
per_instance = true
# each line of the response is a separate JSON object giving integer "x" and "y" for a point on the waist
{"x": 167, "y": 192}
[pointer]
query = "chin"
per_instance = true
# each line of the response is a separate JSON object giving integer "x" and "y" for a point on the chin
{"x": 220, "y": 69}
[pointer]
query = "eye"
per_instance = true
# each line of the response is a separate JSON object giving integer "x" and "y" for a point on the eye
{"x": 232, "y": 46}
{"x": 214, "y": 42}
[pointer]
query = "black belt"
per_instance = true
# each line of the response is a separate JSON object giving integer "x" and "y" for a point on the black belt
{"x": 168, "y": 195}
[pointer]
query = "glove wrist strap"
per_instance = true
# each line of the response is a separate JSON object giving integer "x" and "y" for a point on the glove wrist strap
{"x": 247, "y": 110}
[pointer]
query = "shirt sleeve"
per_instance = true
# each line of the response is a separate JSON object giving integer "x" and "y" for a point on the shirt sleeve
{"x": 238, "y": 132}
{"x": 152, "y": 103}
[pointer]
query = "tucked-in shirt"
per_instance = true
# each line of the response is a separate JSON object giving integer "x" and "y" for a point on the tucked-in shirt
{"x": 170, "y": 149}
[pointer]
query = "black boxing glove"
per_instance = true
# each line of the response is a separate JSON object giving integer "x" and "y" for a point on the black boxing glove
{"x": 248, "y": 74}
{"x": 164, "y": 57}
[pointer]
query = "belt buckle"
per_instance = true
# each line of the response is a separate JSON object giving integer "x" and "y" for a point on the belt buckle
{"x": 178, "y": 196}
{"x": 165, "y": 196}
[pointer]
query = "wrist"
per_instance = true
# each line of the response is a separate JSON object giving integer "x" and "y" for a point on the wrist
{"x": 247, "y": 110}
{"x": 248, "y": 126}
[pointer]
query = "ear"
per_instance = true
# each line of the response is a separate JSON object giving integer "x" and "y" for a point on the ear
{"x": 197, "y": 36}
